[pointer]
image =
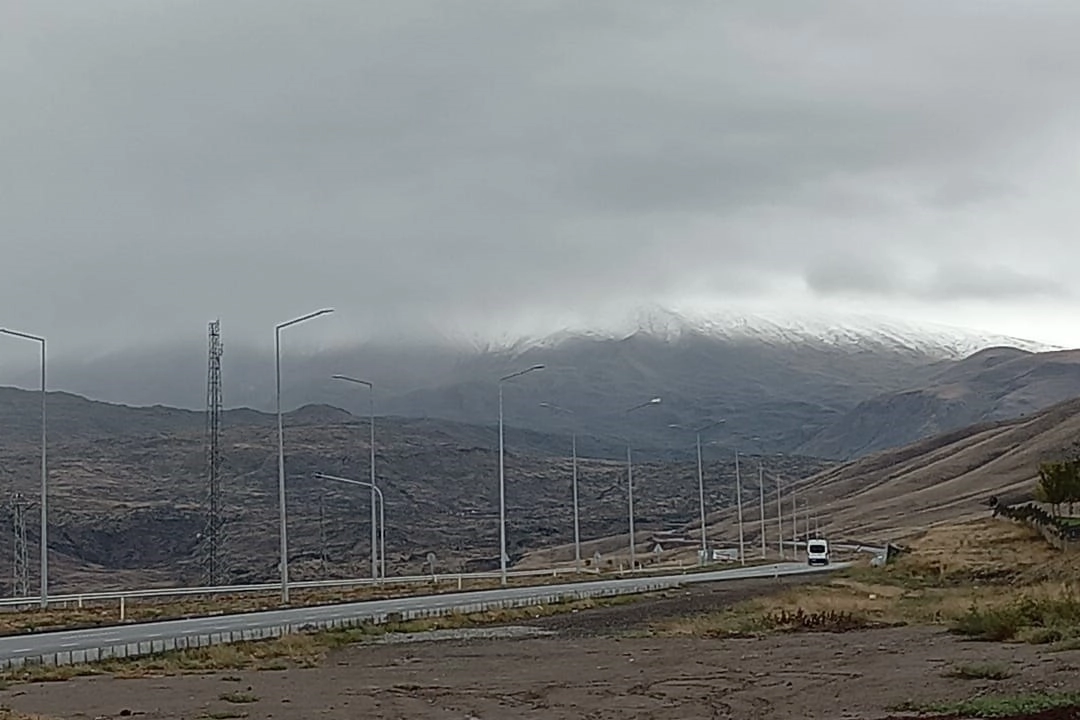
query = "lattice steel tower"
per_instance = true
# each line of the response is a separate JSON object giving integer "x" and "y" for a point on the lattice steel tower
{"x": 21, "y": 567}
{"x": 212, "y": 541}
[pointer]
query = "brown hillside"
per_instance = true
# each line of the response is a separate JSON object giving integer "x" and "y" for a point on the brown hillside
{"x": 948, "y": 478}
{"x": 991, "y": 385}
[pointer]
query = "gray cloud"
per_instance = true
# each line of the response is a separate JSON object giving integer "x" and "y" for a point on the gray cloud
{"x": 980, "y": 282}
{"x": 423, "y": 165}
{"x": 855, "y": 276}
{"x": 868, "y": 277}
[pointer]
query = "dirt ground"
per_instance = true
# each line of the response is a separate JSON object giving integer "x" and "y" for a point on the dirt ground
{"x": 597, "y": 664}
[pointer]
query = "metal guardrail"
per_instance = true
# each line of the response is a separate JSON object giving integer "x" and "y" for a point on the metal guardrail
{"x": 187, "y": 640}
{"x": 135, "y": 594}
{"x": 146, "y": 593}
{"x": 81, "y": 646}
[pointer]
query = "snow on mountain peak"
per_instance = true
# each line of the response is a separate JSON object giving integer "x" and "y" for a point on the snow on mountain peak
{"x": 848, "y": 331}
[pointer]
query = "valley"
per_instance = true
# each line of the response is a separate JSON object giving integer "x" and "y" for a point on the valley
{"x": 135, "y": 504}
{"x": 932, "y": 438}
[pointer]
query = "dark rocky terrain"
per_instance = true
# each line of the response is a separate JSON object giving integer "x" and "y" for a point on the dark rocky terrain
{"x": 135, "y": 502}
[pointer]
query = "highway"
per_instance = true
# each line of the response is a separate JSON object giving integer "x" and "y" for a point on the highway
{"x": 164, "y": 635}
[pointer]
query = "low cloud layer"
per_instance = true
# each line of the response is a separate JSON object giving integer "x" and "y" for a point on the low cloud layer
{"x": 426, "y": 166}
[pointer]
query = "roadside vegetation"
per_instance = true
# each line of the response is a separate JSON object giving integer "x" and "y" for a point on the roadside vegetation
{"x": 9, "y": 714}
{"x": 297, "y": 650}
{"x": 990, "y": 706}
{"x": 986, "y": 580}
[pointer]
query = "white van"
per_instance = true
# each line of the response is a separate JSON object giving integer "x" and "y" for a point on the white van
{"x": 817, "y": 552}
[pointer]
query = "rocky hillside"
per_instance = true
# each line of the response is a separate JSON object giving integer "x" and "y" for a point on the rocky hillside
{"x": 994, "y": 384}
{"x": 129, "y": 508}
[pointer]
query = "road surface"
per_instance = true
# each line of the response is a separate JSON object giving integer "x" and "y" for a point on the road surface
{"x": 68, "y": 641}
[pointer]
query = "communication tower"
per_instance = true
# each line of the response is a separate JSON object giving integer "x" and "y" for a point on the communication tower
{"x": 212, "y": 540}
{"x": 21, "y": 566}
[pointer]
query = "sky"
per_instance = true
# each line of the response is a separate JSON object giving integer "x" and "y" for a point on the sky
{"x": 493, "y": 167}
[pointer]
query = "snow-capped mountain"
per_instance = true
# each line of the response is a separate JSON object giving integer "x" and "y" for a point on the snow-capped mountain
{"x": 781, "y": 382}
{"x": 852, "y": 331}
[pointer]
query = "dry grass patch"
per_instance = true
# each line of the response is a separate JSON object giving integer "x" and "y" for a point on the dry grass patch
{"x": 238, "y": 697}
{"x": 979, "y": 576}
{"x": 978, "y": 671}
{"x": 9, "y": 714}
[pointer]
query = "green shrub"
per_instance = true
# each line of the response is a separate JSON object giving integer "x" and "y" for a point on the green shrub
{"x": 1039, "y": 620}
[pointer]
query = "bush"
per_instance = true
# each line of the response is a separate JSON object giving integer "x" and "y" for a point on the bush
{"x": 825, "y": 621}
{"x": 1041, "y": 620}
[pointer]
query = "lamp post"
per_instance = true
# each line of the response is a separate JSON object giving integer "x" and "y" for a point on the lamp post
{"x": 779, "y": 519}
{"x": 574, "y": 484}
{"x": 761, "y": 492}
{"x": 701, "y": 483}
{"x": 283, "y": 530}
{"x": 630, "y": 484}
{"x": 502, "y": 471}
{"x": 382, "y": 510}
{"x": 794, "y": 526}
{"x": 44, "y": 470}
{"x": 806, "y": 517}
{"x": 738, "y": 500}
{"x": 375, "y": 569}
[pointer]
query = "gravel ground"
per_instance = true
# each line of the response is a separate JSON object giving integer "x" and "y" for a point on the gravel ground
{"x": 597, "y": 665}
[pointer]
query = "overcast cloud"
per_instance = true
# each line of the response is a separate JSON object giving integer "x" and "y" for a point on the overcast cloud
{"x": 484, "y": 164}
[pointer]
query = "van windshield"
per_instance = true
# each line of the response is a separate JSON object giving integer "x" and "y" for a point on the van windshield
{"x": 817, "y": 547}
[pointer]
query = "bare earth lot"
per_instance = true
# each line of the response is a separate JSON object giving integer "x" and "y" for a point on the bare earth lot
{"x": 599, "y": 664}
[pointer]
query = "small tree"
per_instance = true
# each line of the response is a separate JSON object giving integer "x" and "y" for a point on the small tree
{"x": 1057, "y": 484}
{"x": 1072, "y": 484}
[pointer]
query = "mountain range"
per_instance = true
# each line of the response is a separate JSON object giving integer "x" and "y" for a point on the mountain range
{"x": 129, "y": 490}
{"x": 834, "y": 387}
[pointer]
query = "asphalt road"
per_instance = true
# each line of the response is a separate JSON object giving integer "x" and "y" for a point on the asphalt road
{"x": 74, "y": 640}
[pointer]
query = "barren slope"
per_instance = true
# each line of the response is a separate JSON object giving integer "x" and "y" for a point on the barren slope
{"x": 947, "y": 478}
{"x": 994, "y": 384}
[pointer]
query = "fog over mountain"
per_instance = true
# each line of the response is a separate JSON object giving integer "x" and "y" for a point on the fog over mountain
{"x": 770, "y": 383}
{"x": 511, "y": 169}
{"x": 476, "y": 187}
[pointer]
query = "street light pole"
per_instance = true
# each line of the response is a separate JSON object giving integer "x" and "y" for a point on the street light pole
{"x": 44, "y": 471}
{"x": 761, "y": 491}
{"x": 283, "y": 529}
{"x": 502, "y": 471}
{"x": 738, "y": 499}
{"x": 701, "y": 482}
{"x": 701, "y": 503}
{"x": 794, "y": 526}
{"x": 630, "y": 485}
{"x": 574, "y": 485}
{"x": 375, "y": 572}
{"x": 779, "y": 519}
{"x": 375, "y": 491}
{"x": 630, "y": 506}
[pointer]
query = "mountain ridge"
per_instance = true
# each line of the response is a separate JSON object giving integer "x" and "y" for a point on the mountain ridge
{"x": 994, "y": 384}
{"x": 836, "y": 329}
